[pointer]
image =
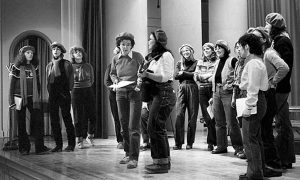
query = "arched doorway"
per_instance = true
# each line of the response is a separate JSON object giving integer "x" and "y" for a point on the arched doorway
{"x": 42, "y": 45}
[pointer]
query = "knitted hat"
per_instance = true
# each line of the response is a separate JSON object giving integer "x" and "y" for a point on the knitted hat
{"x": 186, "y": 45}
{"x": 224, "y": 45}
{"x": 161, "y": 37}
{"x": 276, "y": 20}
{"x": 60, "y": 46}
{"x": 125, "y": 35}
{"x": 26, "y": 48}
{"x": 210, "y": 45}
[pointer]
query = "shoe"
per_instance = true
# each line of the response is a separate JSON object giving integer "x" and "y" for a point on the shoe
{"x": 179, "y": 147}
{"x": 210, "y": 147}
{"x": 132, "y": 164}
{"x": 145, "y": 147}
{"x": 274, "y": 164}
{"x": 242, "y": 155}
{"x": 189, "y": 147}
{"x": 90, "y": 139}
{"x": 125, "y": 160}
{"x": 157, "y": 168}
{"x": 243, "y": 177}
{"x": 43, "y": 150}
{"x": 69, "y": 148}
{"x": 120, "y": 145}
{"x": 56, "y": 149}
{"x": 219, "y": 151}
{"x": 287, "y": 166}
{"x": 24, "y": 152}
{"x": 271, "y": 173}
{"x": 80, "y": 145}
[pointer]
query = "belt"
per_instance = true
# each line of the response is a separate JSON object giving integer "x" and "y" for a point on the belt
{"x": 219, "y": 84}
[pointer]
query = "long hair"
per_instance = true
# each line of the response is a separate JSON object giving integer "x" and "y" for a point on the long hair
{"x": 275, "y": 31}
{"x": 265, "y": 36}
{"x": 84, "y": 56}
{"x": 158, "y": 50}
{"x": 211, "y": 57}
{"x": 20, "y": 60}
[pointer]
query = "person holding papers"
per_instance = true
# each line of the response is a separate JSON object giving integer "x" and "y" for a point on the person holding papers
{"x": 24, "y": 94}
{"x": 125, "y": 67}
{"x": 254, "y": 81}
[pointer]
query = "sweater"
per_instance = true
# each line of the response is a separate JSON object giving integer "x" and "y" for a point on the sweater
{"x": 83, "y": 75}
{"x": 187, "y": 71}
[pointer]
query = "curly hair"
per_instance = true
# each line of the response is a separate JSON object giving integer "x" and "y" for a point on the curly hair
{"x": 21, "y": 60}
{"x": 253, "y": 42}
{"x": 84, "y": 56}
{"x": 264, "y": 35}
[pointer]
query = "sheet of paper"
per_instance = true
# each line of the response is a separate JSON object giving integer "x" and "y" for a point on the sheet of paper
{"x": 210, "y": 112}
{"x": 241, "y": 105}
{"x": 18, "y": 102}
{"x": 121, "y": 84}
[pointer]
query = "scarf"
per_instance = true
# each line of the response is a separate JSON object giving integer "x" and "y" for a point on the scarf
{"x": 54, "y": 71}
{"x": 23, "y": 87}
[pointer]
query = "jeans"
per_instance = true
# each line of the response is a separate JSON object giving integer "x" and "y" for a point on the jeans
{"x": 114, "y": 112}
{"x": 285, "y": 136}
{"x": 37, "y": 123}
{"x": 205, "y": 93}
{"x": 252, "y": 139}
{"x": 129, "y": 109}
{"x": 160, "y": 110}
{"x": 62, "y": 101}
{"x": 226, "y": 115}
{"x": 144, "y": 124}
{"x": 188, "y": 98}
{"x": 270, "y": 150}
{"x": 84, "y": 110}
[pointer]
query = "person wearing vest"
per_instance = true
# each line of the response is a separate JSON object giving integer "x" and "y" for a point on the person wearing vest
{"x": 224, "y": 113}
{"x": 60, "y": 80}
{"x": 281, "y": 42}
{"x": 254, "y": 82}
{"x": 24, "y": 94}
{"x": 113, "y": 107}
{"x": 203, "y": 78}
{"x": 187, "y": 97}
{"x": 83, "y": 97}
{"x": 160, "y": 73}
{"x": 125, "y": 67}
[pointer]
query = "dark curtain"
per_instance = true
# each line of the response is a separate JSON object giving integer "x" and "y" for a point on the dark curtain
{"x": 290, "y": 10}
{"x": 92, "y": 42}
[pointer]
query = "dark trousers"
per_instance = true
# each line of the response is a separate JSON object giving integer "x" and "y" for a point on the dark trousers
{"x": 187, "y": 98}
{"x": 84, "y": 111}
{"x": 270, "y": 150}
{"x": 160, "y": 110}
{"x": 129, "y": 109}
{"x": 253, "y": 143}
{"x": 114, "y": 112}
{"x": 205, "y": 93}
{"x": 37, "y": 124}
{"x": 226, "y": 115}
{"x": 144, "y": 124}
{"x": 62, "y": 101}
{"x": 285, "y": 136}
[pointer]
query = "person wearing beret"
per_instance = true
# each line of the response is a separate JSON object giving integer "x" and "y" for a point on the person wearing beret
{"x": 203, "y": 77}
{"x": 159, "y": 75}
{"x": 60, "y": 81}
{"x": 124, "y": 67}
{"x": 187, "y": 97}
{"x": 224, "y": 113}
{"x": 83, "y": 97}
{"x": 281, "y": 42}
{"x": 24, "y": 94}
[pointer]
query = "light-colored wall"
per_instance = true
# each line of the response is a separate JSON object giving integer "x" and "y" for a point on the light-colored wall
{"x": 182, "y": 23}
{"x": 120, "y": 16}
{"x": 227, "y": 20}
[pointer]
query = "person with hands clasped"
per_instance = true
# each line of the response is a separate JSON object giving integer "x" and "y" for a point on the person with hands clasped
{"x": 125, "y": 67}
{"x": 187, "y": 97}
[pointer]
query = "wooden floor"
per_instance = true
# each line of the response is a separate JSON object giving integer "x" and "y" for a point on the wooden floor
{"x": 102, "y": 162}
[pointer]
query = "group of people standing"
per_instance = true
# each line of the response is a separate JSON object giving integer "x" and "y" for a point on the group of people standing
{"x": 259, "y": 73}
{"x": 68, "y": 82}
